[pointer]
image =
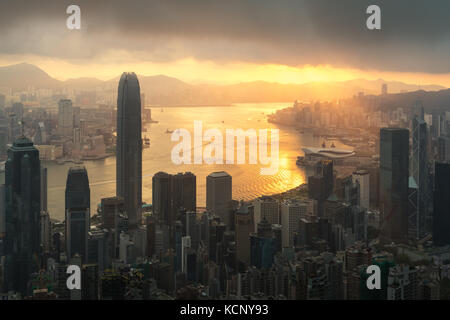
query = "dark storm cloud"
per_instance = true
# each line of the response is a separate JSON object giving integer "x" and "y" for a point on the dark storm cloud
{"x": 415, "y": 34}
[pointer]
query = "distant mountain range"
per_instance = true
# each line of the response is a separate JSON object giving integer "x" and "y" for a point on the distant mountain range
{"x": 164, "y": 90}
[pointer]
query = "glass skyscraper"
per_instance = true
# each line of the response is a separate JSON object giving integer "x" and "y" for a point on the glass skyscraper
{"x": 22, "y": 215}
{"x": 129, "y": 147}
{"x": 394, "y": 173}
{"x": 419, "y": 197}
{"x": 78, "y": 203}
{"x": 441, "y": 214}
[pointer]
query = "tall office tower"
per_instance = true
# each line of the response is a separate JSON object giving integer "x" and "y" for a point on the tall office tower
{"x": 184, "y": 186}
{"x": 320, "y": 185}
{"x": 22, "y": 215}
{"x": 291, "y": 213}
{"x": 384, "y": 88}
{"x": 43, "y": 189}
{"x": 14, "y": 128}
{"x": 151, "y": 235}
{"x": 76, "y": 117}
{"x": 362, "y": 177}
{"x": 219, "y": 194}
{"x": 78, "y": 204}
{"x": 45, "y": 231}
{"x": 444, "y": 149}
{"x": 277, "y": 232}
{"x": 161, "y": 197}
{"x": 2, "y": 218}
{"x": 185, "y": 247}
{"x": 2, "y": 101}
{"x": 111, "y": 208}
{"x": 17, "y": 109}
{"x": 266, "y": 208}
{"x": 441, "y": 214}
{"x": 419, "y": 198}
{"x": 244, "y": 225}
{"x": 394, "y": 172}
{"x": 171, "y": 193}
{"x": 3, "y": 135}
{"x": 129, "y": 147}
{"x": 262, "y": 246}
{"x": 65, "y": 118}
{"x": 442, "y": 125}
{"x": 192, "y": 228}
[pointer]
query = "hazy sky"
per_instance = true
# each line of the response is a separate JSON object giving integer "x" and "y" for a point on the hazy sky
{"x": 231, "y": 41}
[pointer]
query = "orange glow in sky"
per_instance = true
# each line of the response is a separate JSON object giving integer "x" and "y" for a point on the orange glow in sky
{"x": 195, "y": 71}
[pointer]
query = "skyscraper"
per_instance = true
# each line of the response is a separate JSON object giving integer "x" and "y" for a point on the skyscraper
{"x": 3, "y": 135}
{"x": 244, "y": 227}
{"x": 78, "y": 204}
{"x": 441, "y": 214}
{"x": 218, "y": 194}
{"x": 45, "y": 217}
{"x": 419, "y": 198}
{"x": 129, "y": 147}
{"x": 444, "y": 149}
{"x": 65, "y": 118}
{"x": 2, "y": 101}
{"x": 320, "y": 185}
{"x": 22, "y": 215}
{"x": 161, "y": 189}
{"x": 291, "y": 213}
{"x": 111, "y": 208}
{"x": 394, "y": 171}
{"x": 171, "y": 193}
{"x": 362, "y": 177}
{"x": 184, "y": 186}
{"x": 262, "y": 246}
{"x": 266, "y": 208}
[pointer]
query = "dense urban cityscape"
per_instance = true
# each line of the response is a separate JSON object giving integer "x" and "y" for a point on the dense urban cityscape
{"x": 383, "y": 202}
{"x": 212, "y": 153}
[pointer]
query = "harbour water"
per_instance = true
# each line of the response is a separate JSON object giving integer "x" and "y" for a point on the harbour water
{"x": 248, "y": 183}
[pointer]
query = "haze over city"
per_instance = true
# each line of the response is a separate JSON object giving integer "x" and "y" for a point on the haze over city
{"x": 224, "y": 150}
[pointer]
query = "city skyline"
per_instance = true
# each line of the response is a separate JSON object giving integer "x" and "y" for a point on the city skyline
{"x": 230, "y": 151}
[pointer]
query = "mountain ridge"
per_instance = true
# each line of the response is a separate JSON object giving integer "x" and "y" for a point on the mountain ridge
{"x": 165, "y": 89}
